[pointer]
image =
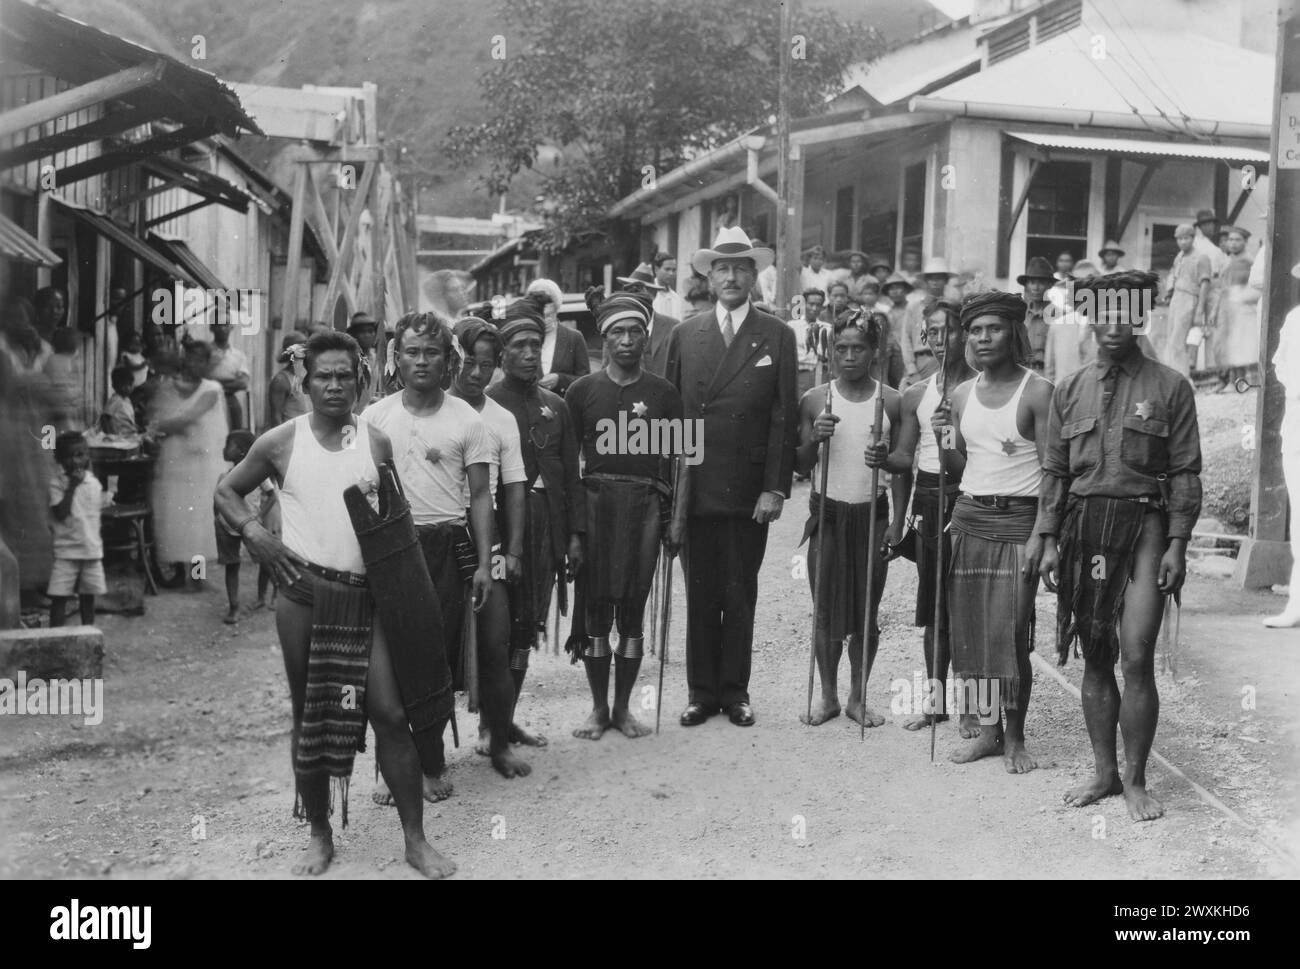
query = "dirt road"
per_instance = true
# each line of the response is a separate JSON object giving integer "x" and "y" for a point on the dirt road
{"x": 188, "y": 775}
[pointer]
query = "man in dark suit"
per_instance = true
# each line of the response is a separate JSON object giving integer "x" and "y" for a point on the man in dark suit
{"x": 564, "y": 351}
{"x": 643, "y": 281}
{"x": 735, "y": 369}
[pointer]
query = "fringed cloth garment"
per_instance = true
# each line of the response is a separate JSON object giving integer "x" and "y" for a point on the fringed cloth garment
{"x": 449, "y": 553}
{"x": 530, "y": 597}
{"x": 1099, "y": 537}
{"x": 925, "y": 525}
{"x": 843, "y": 609}
{"x": 625, "y": 521}
{"x": 986, "y": 592}
{"x": 334, "y": 712}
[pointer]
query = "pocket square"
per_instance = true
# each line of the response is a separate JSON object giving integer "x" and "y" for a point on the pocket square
{"x": 764, "y": 361}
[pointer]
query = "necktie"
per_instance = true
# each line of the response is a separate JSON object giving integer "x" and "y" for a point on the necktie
{"x": 1108, "y": 385}
{"x": 728, "y": 332}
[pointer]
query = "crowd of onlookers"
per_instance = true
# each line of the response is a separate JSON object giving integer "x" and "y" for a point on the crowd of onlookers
{"x": 1205, "y": 321}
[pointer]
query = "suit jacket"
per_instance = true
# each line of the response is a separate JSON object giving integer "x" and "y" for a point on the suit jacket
{"x": 570, "y": 359}
{"x": 746, "y": 396}
{"x": 655, "y": 358}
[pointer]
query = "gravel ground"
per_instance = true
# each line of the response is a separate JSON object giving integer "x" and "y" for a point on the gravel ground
{"x": 188, "y": 775}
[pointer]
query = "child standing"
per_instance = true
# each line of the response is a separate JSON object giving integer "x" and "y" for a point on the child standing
{"x": 76, "y": 499}
{"x": 261, "y": 502}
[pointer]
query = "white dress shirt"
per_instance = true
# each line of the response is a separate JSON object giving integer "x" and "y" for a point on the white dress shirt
{"x": 738, "y": 316}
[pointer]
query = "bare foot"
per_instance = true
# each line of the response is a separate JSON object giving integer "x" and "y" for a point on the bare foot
{"x": 1285, "y": 620}
{"x": 923, "y": 721}
{"x": 1017, "y": 759}
{"x": 232, "y": 616}
{"x": 510, "y": 765}
{"x": 436, "y": 789}
{"x": 594, "y": 727}
{"x": 968, "y": 726}
{"x": 987, "y": 744}
{"x": 484, "y": 746}
{"x": 1097, "y": 788}
{"x": 1141, "y": 805}
{"x": 382, "y": 795}
{"x": 429, "y": 863}
{"x": 864, "y": 715}
{"x": 317, "y": 857}
{"x": 821, "y": 712}
{"x": 261, "y": 604}
{"x": 518, "y": 735}
{"x": 628, "y": 725}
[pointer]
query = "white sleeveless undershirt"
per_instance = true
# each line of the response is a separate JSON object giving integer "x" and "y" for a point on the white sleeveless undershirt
{"x": 849, "y": 478}
{"x": 314, "y": 519}
{"x": 927, "y": 446}
{"x": 999, "y": 459}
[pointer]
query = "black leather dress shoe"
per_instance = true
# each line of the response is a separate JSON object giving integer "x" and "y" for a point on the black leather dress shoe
{"x": 695, "y": 714}
{"x": 741, "y": 714}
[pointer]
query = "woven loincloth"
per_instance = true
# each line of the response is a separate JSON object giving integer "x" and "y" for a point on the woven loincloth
{"x": 986, "y": 590}
{"x": 843, "y": 606}
{"x": 1099, "y": 537}
{"x": 334, "y": 711}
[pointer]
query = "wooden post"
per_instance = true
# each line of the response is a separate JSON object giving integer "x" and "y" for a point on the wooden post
{"x": 1265, "y": 558}
{"x": 381, "y": 200}
{"x": 293, "y": 255}
{"x": 789, "y": 177}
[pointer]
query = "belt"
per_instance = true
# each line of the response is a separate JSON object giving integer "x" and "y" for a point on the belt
{"x": 1002, "y": 501}
{"x": 334, "y": 575}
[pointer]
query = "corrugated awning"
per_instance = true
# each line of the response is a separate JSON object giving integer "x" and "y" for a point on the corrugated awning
{"x": 1152, "y": 149}
{"x": 119, "y": 236}
{"x": 15, "y": 243}
{"x": 180, "y": 253}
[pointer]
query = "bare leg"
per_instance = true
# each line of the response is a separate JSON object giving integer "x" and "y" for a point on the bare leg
{"x": 398, "y": 760}
{"x": 625, "y": 673}
{"x": 87, "y": 605}
{"x": 828, "y": 655}
{"x": 857, "y": 709}
{"x": 293, "y": 623}
{"x": 58, "y": 607}
{"x": 938, "y": 714}
{"x": 1101, "y": 714}
{"x": 1017, "y": 758}
{"x": 1139, "y": 707}
{"x": 263, "y": 586}
{"x": 496, "y": 689}
{"x": 232, "y": 594}
{"x": 594, "y": 727}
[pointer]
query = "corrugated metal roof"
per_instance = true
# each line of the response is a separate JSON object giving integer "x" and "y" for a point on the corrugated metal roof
{"x": 137, "y": 247}
{"x": 17, "y": 244}
{"x": 180, "y": 253}
{"x": 1132, "y": 146}
{"x": 1214, "y": 82}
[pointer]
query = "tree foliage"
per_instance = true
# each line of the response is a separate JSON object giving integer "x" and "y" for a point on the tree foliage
{"x": 589, "y": 92}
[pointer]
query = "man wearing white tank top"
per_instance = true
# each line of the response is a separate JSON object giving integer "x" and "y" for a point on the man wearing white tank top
{"x": 997, "y": 424}
{"x": 318, "y": 565}
{"x": 917, "y": 443}
{"x": 842, "y": 611}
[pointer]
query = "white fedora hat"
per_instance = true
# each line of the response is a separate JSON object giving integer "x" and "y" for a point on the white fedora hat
{"x": 937, "y": 266}
{"x": 732, "y": 243}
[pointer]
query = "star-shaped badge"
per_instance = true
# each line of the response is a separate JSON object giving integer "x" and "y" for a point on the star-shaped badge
{"x": 1143, "y": 409}
{"x": 433, "y": 455}
{"x": 639, "y": 408}
{"x": 547, "y": 412}
{"x": 1008, "y": 446}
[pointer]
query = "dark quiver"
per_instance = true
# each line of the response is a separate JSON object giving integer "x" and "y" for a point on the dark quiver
{"x": 406, "y": 605}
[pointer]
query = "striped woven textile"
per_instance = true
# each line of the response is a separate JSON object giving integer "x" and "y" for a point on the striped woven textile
{"x": 334, "y": 712}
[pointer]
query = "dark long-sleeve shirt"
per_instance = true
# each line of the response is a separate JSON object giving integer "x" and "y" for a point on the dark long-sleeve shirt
{"x": 1120, "y": 450}
{"x": 550, "y": 449}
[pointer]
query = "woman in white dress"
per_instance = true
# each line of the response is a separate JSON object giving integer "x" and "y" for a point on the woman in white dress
{"x": 188, "y": 416}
